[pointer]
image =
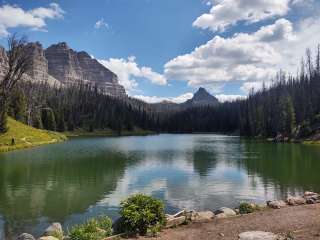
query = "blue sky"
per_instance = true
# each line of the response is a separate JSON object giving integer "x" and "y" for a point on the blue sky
{"x": 166, "y": 49}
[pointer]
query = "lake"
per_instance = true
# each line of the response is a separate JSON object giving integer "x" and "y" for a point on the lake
{"x": 86, "y": 177}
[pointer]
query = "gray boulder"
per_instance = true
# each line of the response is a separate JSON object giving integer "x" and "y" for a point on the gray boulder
{"x": 25, "y": 236}
{"x": 225, "y": 212}
{"x": 294, "y": 201}
{"x": 202, "y": 216}
{"x": 276, "y": 204}
{"x": 48, "y": 238}
{"x": 173, "y": 222}
{"x": 258, "y": 235}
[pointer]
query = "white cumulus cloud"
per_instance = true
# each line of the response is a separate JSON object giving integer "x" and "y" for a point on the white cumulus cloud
{"x": 128, "y": 71}
{"x": 249, "y": 57}
{"x": 101, "y": 24}
{"x": 225, "y": 13}
{"x": 12, "y": 16}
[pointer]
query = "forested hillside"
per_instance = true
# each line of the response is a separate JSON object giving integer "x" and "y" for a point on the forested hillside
{"x": 289, "y": 108}
{"x": 77, "y": 106}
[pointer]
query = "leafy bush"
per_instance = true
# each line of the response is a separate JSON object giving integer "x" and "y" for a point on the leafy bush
{"x": 246, "y": 208}
{"x": 141, "y": 213}
{"x": 93, "y": 229}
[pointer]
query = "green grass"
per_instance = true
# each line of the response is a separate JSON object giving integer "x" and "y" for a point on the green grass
{"x": 26, "y": 136}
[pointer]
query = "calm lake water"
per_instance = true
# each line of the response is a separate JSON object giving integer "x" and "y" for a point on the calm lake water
{"x": 85, "y": 177}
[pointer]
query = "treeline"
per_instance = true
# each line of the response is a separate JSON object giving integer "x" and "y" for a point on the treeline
{"x": 289, "y": 108}
{"x": 78, "y": 106}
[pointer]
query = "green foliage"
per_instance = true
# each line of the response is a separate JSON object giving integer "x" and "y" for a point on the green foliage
{"x": 26, "y": 136}
{"x": 141, "y": 213}
{"x": 57, "y": 235}
{"x": 48, "y": 119}
{"x": 94, "y": 229}
{"x": 305, "y": 129}
{"x": 18, "y": 105}
{"x": 3, "y": 115}
{"x": 246, "y": 208}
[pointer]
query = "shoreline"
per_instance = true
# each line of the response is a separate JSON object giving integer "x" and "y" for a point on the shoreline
{"x": 295, "y": 218}
{"x": 5, "y": 149}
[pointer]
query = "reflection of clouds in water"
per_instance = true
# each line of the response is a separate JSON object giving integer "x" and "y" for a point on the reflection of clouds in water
{"x": 182, "y": 187}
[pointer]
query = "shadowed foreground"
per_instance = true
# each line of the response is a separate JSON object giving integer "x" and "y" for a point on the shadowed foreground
{"x": 302, "y": 222}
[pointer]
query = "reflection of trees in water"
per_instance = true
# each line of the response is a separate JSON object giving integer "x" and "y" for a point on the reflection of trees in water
{"x": 203, "y": 161}
{"x": 288, "y": 167}
{"x": 39, "y": 187}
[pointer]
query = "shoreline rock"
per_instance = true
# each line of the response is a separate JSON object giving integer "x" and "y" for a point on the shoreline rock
{"x": 184, "y": 217}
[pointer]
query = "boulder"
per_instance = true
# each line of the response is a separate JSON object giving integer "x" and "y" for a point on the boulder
{"x": 202, "y": 216}
{"x": 311, "y": 201}
{"x": 294, "y": 201}
{"x": 48, "y": 238}
{"x": 225, "y": 212}
{"x": 172, "y": 222}
{"x": 308, "y": 194}
{"x": 55, "y": 229}
{"x": 180, "y": 214}
{"x": 25, "y": 236}
{"x": 276, "y": 204}
{"x": 258, "y": 235}
{"x": 311, "y": 197}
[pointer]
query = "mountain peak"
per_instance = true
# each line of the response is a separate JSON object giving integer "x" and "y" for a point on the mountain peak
{"x": 202, "y": 95}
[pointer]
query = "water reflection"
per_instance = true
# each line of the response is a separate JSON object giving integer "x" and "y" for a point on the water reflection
{"x": 73, "y": 181}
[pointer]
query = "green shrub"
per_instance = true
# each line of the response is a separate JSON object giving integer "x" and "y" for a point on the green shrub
{"x": 93, "y": 229}
{"x": 246, "y": 208}
{"x": 141, "y": 213}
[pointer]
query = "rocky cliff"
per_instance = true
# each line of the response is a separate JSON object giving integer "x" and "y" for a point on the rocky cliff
{"x": 59, "y": 64}
{"x": 3, "y": 61}
{"x": 69, "y": 67}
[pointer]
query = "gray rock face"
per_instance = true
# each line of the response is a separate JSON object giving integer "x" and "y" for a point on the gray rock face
{"x": 59, "y": 64}
{"x": 69, "y": 67}
{"x": 39, "y": 69}
{"x": 3, "y": 62}
{"x": 257, "y": 235}
{"x": 25, "y": 236}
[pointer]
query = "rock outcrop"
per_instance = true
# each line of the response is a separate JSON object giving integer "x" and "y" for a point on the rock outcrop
{"x": 61, "y": 65}
{"x": 69, "y": 67}
{"x": 3, "y": 62}
{"x": 202, "y": 98}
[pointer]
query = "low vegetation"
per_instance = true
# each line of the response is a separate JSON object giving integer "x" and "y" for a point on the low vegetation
{"x": 20, "y": 136}
{"x": 142, "y": 213}
{"x": 93, "y": 229}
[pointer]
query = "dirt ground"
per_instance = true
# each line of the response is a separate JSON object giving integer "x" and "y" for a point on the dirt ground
{"x": 302, "y": 222}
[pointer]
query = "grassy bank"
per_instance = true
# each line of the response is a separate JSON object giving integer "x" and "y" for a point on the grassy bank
{"x": 25, "y": 136}
{"x": 108, "y": 133}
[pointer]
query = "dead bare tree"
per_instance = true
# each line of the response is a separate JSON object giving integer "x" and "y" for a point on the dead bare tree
{"x": 19, "y": 60}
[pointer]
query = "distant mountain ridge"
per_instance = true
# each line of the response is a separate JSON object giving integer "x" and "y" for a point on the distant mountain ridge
{"x": 59, "y": 64}
{"x": 201, "y": 98}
